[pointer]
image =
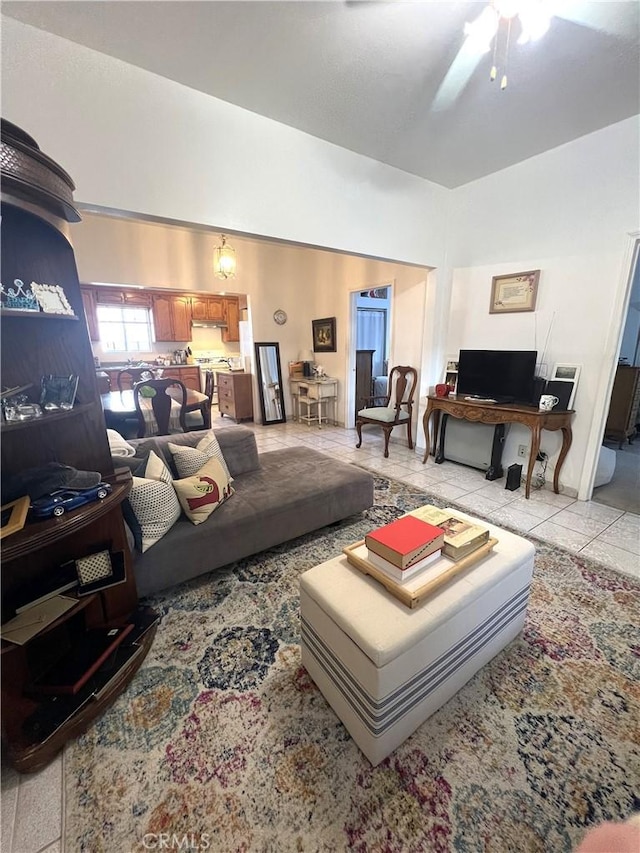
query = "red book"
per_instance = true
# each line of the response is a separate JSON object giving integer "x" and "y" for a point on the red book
{"x": 405, "y": 540}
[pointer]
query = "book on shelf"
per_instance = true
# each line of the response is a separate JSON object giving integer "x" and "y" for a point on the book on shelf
{"x": 405, "y": 541}
{"x": 402, "y": 575}
{"x": 461, "y": 536}
{"x": 74, "y": 669}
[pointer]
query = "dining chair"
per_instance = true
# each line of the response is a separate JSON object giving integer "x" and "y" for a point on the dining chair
{"x": 160, "y": 412}
{"x": 199, "y": 404}
{"x": 135, "y": 374}
{"x": 395, "y": 408}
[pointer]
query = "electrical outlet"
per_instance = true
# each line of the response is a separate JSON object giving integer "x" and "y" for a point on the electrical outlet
{"x": 522, "y": 450}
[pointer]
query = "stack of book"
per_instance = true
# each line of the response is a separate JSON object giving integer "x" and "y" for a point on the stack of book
{"x": 405, "y": 547}
{"x": 461, "y": 536}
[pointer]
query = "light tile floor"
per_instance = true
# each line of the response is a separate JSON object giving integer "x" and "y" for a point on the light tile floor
{"x": 32, "y": 806}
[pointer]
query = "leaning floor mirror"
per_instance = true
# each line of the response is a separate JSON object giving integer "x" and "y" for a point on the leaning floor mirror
{"x": 270, "y": 383}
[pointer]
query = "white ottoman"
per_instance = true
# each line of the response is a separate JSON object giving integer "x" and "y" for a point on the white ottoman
{"x": 385, "y": 668}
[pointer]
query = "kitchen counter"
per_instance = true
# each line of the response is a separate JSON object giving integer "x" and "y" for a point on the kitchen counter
{"x": 189, "y": 374}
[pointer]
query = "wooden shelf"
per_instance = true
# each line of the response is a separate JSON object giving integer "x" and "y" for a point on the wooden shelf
{"x": 39, "y": 534}
{"x": 28, "y": 751}
{"x": 46, "y": 418}
{"x": 33, "y": 315}
{"x": 85, "y": 601}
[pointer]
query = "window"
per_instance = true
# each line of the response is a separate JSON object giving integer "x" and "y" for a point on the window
{"x": 124, "y": 329}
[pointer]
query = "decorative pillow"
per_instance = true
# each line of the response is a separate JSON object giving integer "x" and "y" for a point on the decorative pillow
{"x": 189, "y": 460}
{"x": 200, "y": 494}
{"x": 154, "y": 468}
{"x": 154, "y": 509}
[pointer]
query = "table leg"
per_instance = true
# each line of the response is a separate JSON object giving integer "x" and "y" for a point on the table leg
{"x": 567, "y": 438}
{"x": 425, "y": 425}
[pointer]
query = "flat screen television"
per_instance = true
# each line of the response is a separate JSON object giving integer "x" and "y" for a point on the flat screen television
{"x": 506, "y": 376}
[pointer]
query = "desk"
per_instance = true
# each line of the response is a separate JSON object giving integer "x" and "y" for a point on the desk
{"x": 503, "y": 413}
{"x": 313, "y": 393}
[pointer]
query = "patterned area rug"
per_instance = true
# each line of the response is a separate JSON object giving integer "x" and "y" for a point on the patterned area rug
{"x": 222, "y": 741}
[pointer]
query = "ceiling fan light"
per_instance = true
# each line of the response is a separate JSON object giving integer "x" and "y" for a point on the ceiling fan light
{"x": 509, "y": 8}
{"x": 224, "y": 264}
{"x": 480, "y": 32}
{"x": 535, "y": 21}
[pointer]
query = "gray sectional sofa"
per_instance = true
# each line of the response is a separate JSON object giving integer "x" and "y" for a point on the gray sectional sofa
{"x": 279, "y": 495}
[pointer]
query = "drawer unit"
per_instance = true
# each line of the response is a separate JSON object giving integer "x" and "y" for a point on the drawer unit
{"x": 625, "y": 404}
{"x": 235, "y": 395}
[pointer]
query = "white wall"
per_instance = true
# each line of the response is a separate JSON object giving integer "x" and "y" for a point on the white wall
{"x": 305, "y": 283}
{"x": 569, "y": 213}
{"x": 137, "y": 142}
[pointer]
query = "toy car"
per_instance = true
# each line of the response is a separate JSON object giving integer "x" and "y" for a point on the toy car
{"x": 62, "y": 500}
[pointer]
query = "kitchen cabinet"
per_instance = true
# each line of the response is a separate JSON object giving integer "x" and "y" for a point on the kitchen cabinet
{"x": 171, "y": 317}
{"x": 120, "y": 296}
{"x": 207, "y": 308}
{"x": 232, "y": 319}
{"x": 624, "y": 408}
{"x": 89, "y": 303}
{"x": 189, "y": 376}
{"x": 235, "y": 395}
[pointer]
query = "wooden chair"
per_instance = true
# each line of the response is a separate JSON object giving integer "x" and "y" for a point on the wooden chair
{"x": 166, "y": 410}
{"x": 199, "y": 404}
{"x": 135, "y": 374}
{"x": 396, "y": 408}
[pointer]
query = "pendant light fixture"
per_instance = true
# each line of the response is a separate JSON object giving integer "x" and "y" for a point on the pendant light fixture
{"x": 224, "y": 264}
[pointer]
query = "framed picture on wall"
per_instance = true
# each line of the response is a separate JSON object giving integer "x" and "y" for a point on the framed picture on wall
{"x": 324, "y": 334}
{"x": 515, "y": 292}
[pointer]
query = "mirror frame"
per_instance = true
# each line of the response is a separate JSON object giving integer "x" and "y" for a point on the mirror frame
{"x": 258, "y": 346}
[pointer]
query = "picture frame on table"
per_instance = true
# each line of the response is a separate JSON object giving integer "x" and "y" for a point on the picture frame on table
{"x": 324, "y": 334}
{"x": 514, "y": 293}
{"x": 14, "y": 516}
{"x": 564, "y": 383}
{"x": 52, "y": 299}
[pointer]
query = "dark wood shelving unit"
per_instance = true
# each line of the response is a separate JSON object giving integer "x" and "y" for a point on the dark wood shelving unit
{"x": 35, "y": 315}
{"x": 35, "y": 248}
{"x": 38, "y": 534}
{"x": 46, "y": 418}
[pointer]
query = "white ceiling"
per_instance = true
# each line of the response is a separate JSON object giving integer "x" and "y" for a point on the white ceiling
{"x": 384, "y": 79}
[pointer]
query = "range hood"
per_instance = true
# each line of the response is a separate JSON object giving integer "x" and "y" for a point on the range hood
{"x": 208, "y": 324}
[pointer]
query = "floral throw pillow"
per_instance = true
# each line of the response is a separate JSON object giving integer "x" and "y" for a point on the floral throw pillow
{"x": 203, "y": 492}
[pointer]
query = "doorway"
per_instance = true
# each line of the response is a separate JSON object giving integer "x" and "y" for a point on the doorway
{"x": 622, "y": 490}
{"x": 370, "y": 345}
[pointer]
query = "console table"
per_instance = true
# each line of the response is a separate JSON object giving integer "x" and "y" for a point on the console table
{"x": 503, "y": 413}
{"x": 313, "y": 394}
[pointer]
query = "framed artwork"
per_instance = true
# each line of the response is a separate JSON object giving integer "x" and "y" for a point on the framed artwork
{"x": 514, "y": 293}
{"x": 51, "y": 299}
{"x": 14, "y": 515}
{"x": 569, "y": 375}
{"x": 58, "y": 392}
{"x": 566, "y": 372}
{"x": 324, "y": 334}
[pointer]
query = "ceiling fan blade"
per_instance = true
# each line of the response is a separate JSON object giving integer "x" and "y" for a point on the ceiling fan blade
{"x": 455, "y": 80}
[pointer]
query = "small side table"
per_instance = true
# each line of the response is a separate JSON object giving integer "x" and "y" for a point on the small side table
{"x": 314, "y": 396}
